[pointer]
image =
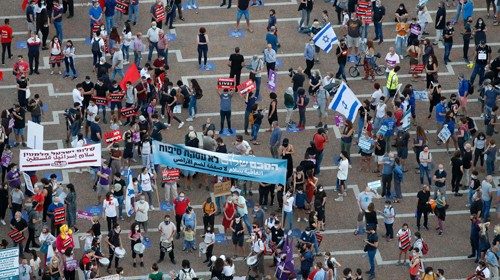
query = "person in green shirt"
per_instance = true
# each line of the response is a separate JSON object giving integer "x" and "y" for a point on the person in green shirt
{"x": 155, "y": 275}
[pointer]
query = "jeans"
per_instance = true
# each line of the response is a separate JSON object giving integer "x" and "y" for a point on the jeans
{"x": 319, "y": 159}
{"x": 247, "y": 222}
{"x": 225, "y": 115}
{"x": 137, "y": 58}
{"x": 152, "y": 46}
{"x": 424, "y": 169}
{"x": 69, "y": 62}
{"x": 109, "y": 23}
{"x": 478, "y": 70}
{"x": 400, "y": 45}
{"x": 371, "y": 259}
{"x": 170, "y": 18}
{"x": 361, "y": 124}
{"x": 459, "y": 11}
{"x": 466, "y": 48}
{"x": 247, "y": 115}
{"x": 364, "y": 31}
{"x": 447, "y": 50}
{"x": 193, "y": 3}
{"x": 192, "y": 107}
{"x": 309, "y": 66}
{"x": 6, "y": 48}
{"x": 126, "y": 54}
{"x": 389, "y": 230}
{"x": 305, "y": 16}
{"x": 288, "y": 220}
{"x": 133, "y": 13}
{"x": 255, "y": 131}
{"x": 34, "y": 60}
{"x": 257, "y": 87}
{"x": 378, "y": 31}
{"x": 341, "y": 72}
{"x": 59, "y": 30}
{"x": 120, "y": 205}
{"x": 202, "y": 51}
{"x": 490, "y": 167}
{"x": 485, "y": 212}
{"x": 96, "y": 56}
{"x": 386, "y": 185}
{"x": 419, "y": 216}
{"x": 397, "y": 189}
{"x": 116, "y": 71}
{"x": 103, "y": 108}
{"x": 36, "y": 119}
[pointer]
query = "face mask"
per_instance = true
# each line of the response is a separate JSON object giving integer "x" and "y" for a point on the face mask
{"x": 87, "y": 82}
{"x": 285, "y": 145}
{"x": 238, "y": 220}
{"x": 181, "y": 197}
{"x": 136, "y": 228}
{"x": 441, "y": 170}
{"x": 167, "y": 222}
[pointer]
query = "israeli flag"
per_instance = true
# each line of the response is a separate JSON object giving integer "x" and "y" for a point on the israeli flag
{"x": 345, "y": 102}
{"x": 129, "y": 194}
{"x": 326, "y": 38}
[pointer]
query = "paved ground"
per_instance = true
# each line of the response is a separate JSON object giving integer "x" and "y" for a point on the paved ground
{"x": 448, "y": 251}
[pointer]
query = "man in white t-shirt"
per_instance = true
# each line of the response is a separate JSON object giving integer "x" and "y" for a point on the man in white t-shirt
{"x": 342, "y": 175}
{"x": 242, "y": 146}
{"x": 91, "y": 111}
{"x": 364, "y": 199}
{"x": 141, "y": 212}
{"x": 391, "y": 60}
{"x": 376, "y": 95}
{"x": 288, "y": 210}
{"x": 379, "y": 113}
{"x": 25, "y": 272}
{"x": 77, "y": 94}
{"x": 110, "y": 208}
{"x": 242, "y": 209}
{"x": 146, "y": 180}
{"x": 167, "y": 230}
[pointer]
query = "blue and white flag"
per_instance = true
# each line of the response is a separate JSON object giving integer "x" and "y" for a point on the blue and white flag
{"x": 129, "y": 194}
{"x": 326, "y": 38}
{"x": 345, "y": 102}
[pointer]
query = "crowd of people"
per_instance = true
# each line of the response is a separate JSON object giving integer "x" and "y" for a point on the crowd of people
{"x": 42, "y": 221}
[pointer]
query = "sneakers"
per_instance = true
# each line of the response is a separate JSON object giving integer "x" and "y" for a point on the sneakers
{"x": 152, "y": 208}
{"x": 2, "y": 222}
{"x": 189, "y": 119}
{"x": 298, "y": 220}
{"x": 340, "y": 198}
{"x": 189, "y": 7}
{"x": 181, "y": 125}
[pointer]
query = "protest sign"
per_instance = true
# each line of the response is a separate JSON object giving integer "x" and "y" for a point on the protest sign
{"x": 35, "y": 160}
{"x": 225, "y": 83}
{"x": 246, "y": 87}
{"x": 9, "y": 260}
{"x": 170, "y": 175}
{"x": 34, "y": 138}
{"x": 113, "y": 136}
{"x": 222, "y": 188}
{"x": 271, "y": 81}
{"x": 128, "y": 112}
{"x": 103, "y": 101}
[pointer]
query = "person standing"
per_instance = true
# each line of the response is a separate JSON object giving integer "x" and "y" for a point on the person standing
{"x": 309, "y": 56}
{"x": 31, "y": 16}
{"x": 275, "y": 139}
{"x": 371, "y": 246}
{"x": 225, "y": 109}
{"x": 457, "y": 171}
{"x": 486, "y": 197}
{"x": 353, "y": 33}
{"x": 114, "y": 241}
{"x": 181, "y": 203}
{"x": 440, "y": 22}
{"x": 117, "y": 62}
{"x": 6, "y": 39}
{"x": 482, "y": 57}
{"x": 69, "y": 60}
{"x": 133, "y": 11}
{"x": 320, "y": 138}
{"x": 305, "y": 8}
{"x": 57, "y": 13}
{"x": 236, "y": 63}
{"x": 448, "y": 41}
{"x": 342, "y": 175}
{"x": 270, "y": 57}
{"x": 153, "y": 37}
{"x": 71, "y": 202}
{"x": 202, "y": 41}
{"x": 34, "y": 44}
{"x": 109, "y": 14}
{"x": 387, "y": 171}
{"x": 167, "y": 230}
{"x": 423, "y": 206}
{"x": 378, "y": 18}
{"x": 158, "y": 13}
{"x": 243, "y": 11}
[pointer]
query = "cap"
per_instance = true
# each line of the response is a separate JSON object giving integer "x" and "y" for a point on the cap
{"x": 223, "y": 257}
{"x": 142, "y": 118}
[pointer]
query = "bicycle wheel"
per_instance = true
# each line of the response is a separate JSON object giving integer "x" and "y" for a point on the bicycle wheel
{"x": 380, "y": 70}
{"x": 353, "y": 71}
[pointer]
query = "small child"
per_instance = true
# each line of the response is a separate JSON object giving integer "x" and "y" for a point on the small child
{"x": 188, "y": 239}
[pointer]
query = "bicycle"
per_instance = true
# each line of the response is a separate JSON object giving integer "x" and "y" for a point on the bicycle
{"x": 354, "y": 71}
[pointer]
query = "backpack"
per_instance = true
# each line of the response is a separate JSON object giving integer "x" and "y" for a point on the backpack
{"x": 199, "y": 94}
{"x": 186, "y": 275}
{"x": 95, "y": 45}
{"x": 306, "y": 100}
{"x": 425, "y": 248}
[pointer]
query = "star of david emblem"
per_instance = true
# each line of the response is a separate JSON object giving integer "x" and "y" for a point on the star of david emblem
{"x": 325, "y": 38}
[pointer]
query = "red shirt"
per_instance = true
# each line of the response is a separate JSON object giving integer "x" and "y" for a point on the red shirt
{"x": 398, "y": 114}
{"x": 5, "y": 34}
{"x": 21, "y": 67}
{"x": 40, "y": 198}
{"x": 181, "y": 205}
{"x": 319, "y": 141}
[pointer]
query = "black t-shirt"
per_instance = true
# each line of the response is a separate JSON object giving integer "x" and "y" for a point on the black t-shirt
{"x": 448, "y": 31}
{"x": 102, "y": 69}
{"x": 94, "y": 129}
{"x": 221, "y": 149}
{"x": 440, "y": 175}
{"x": 22, "y": 84}
{"x": 423, "y": 198}
{"x": 455, "y": 165}
{"x": 372, "y": 238}
{"x": 156, "y": 132}
{"x": 277, "y": 234}
{"x": 494, "y": 65}
{"x": 476, "y": 206}
{"x": 20, "y": 123}
{"x": 87, "y": 87}
{"x": 363, "y": 110}
{"x": 236, "y": 60}
{"x": 378, "y": 13}
{"x": 100, "y": 90}
{"x": 380, "y": 151}
{"x": 441, "y": 12}
{"x": 371, "y": 217}
{"x": 482, "y": 54}
{"x": 243, "y": 4}
{"x": 466, "y": 159}
{"x": 298, "y": 81}
{"x": 122, "y": 183}
{"x": 342, "y": 54}
{"x": 114, "y": 238}
{"x": 22, "y": 224}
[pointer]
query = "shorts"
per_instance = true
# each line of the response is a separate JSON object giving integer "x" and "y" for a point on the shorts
{"x": 19, "y": 131}
{"x": 379, "y": 158}
{"x": 31, "y": 26}
{"x": 322, "y": 110}
{"x": 241, "y": 13}
{"x": 320, "y": 213}
{"x": 238, "y": 240}
{"x": 352, "y": 42}
{"x": 463, "y": 101}
{"x": 403, "y": 153}
{"x": 102, "y": 189}
{"x": 188, "y": 173}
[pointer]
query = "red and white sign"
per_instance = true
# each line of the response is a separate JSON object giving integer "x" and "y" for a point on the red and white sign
{"x": 246, "y": 87}
{"x": 364, "y": 11}
{"x": 16, "y": 236}
{"x": 121, "y": 6}
{"x": 225, "y": 83}
{"x": 59, "y": 215}
{"x": 113, "y": 136}
{"x": 116, "y": 97}
{"x": 160, "y": 13}
{"x": 128, "y": 112}
{"x": 170, "y": 175}
{"x": 100, "y": 100}
{"x": 35, "y": 160}
{"x": 84, "y": 215}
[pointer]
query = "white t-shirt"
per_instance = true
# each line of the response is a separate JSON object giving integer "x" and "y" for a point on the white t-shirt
{"x": 145, "y": 180}
{"x": 24, "y": 272}
{"x": 288, "y": 208}
{"x": 77, "y": 96}
{"x": 110, "y": 207}
{"x": 91, "y": 113}
{"x": 365, "y": 198}
{"x": 486, "y": 272}
{"x": 391, "y": 60}
{"x": 228, "y": 270}
{"x": 258, "y": 246}
{"x": 376, "y": 96}
{"x": 380, "y": 110}
{"x": 101, "y": 41}
{"x": 141, "y": 216}
{"x": 343, "y": 169}
{"x": 127, "y": 38}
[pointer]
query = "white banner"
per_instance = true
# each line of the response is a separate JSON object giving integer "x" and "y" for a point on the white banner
{"x": 444, "y": 134}
{"x": 34, "y": 138}
{"x": 27, "y": 181}
{"x": 35, "y": 160}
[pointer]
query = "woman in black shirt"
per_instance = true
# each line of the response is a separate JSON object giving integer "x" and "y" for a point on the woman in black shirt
{"x": 371, "y": 216}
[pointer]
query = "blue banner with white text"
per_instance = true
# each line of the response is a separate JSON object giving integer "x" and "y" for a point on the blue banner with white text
{"x": 259, "y": 169}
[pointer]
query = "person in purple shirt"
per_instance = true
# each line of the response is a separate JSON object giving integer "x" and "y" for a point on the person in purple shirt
{"x": 103, "y": 174}
{"x": 13, "y": 176}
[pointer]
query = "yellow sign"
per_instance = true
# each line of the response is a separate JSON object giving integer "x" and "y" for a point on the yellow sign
{"x": 221, "y": 189}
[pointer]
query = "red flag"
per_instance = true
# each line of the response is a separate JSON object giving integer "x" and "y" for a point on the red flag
{"x": 132, "y": 76}
{"x": 24, "y": 4}
{"x": 1, "y": 75}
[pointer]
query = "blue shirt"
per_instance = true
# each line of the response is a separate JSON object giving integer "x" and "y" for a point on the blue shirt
{"x": 273, "y": 40}
{"x": 309, "y": 52}
{"x": 95, "y": 12}
{"x": 463, "y": 86}
{"x": 250, "y": 103}
{"x": 451, "y": 126}
{"x": 225, "y": 101}
{"x": 468, "y": 9}
{"x": 440, "y": 109}
{"x": 189, "y": 220}
{"x": 275, "y": 137}
{"x": 388, "y": 166}
{"x": 110, "y": 8}
{"x": 491, "y": 258}
{"x": 307, "y": 263}
{"x": 300, "y": 200}
{"x": 389, "y": 122}
{"x": 490, "y": 97}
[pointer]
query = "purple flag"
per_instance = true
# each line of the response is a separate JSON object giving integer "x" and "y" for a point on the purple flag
{"x": 271, "y": 80}
{"x": 286, "y": 269}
